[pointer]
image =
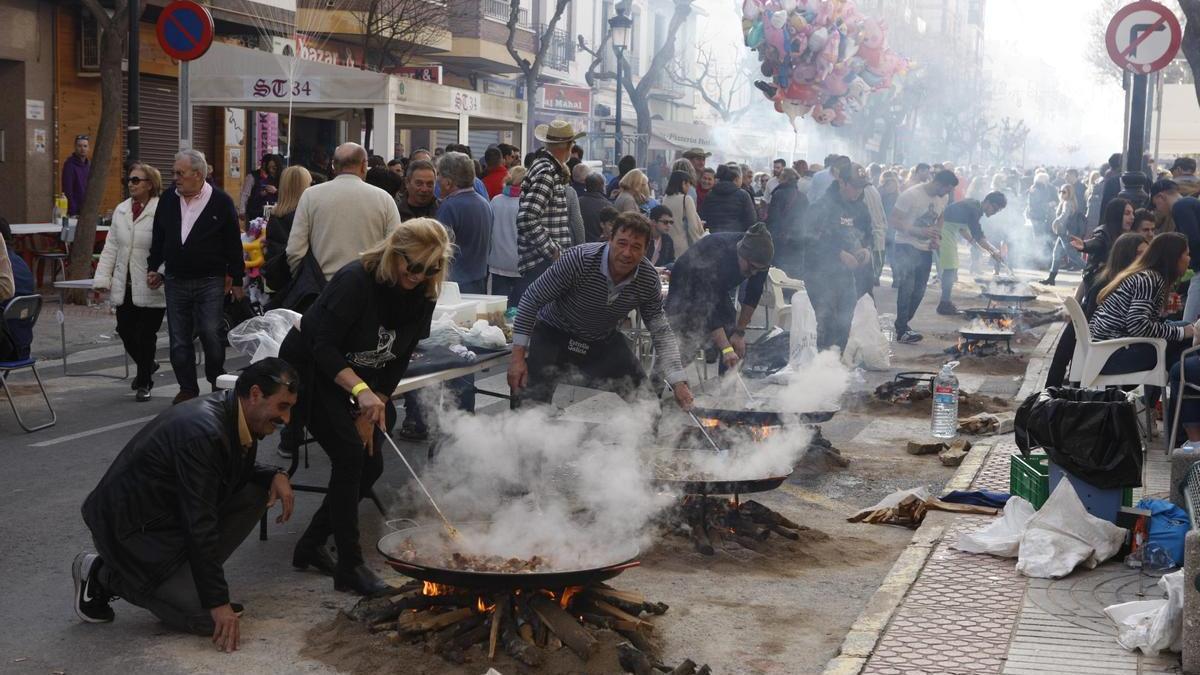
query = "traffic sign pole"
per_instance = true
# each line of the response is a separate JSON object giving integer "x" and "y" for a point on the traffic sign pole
{"x": 185, "y": 107}
{"x": 1135, "y": 147}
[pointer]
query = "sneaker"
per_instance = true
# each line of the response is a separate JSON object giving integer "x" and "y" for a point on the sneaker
{"x": 143, "y": 394}
{"x": 91, "y": 602}
{"x": 910, "y": 337}
{"x": 183, "y": 396}
{"x": 947, "y": 309}
{"x": 286, "y": 453}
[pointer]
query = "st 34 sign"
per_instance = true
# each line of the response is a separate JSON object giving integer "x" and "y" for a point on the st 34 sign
{"x": 1143, "y": 37}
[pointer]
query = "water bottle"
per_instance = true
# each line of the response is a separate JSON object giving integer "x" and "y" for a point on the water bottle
{"x": 945, "y": 403}
{"x": 887, "y": 325}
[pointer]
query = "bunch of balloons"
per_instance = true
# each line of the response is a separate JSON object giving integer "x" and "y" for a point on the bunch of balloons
{"x": 823, "y": 57}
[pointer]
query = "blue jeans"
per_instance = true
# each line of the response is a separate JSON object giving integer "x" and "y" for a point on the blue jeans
{"x": 195, "y": 308}
{"x": 1073, "y": 257}
{"x": 502, "y": 285}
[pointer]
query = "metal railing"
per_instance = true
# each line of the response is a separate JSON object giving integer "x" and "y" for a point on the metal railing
{"x": 500, "y": 11}
{"x": 560, "y": 51}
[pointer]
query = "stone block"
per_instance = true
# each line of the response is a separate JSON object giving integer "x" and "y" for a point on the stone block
{"x": 1191, "y": 604}
{"x": 1182, "y": 459}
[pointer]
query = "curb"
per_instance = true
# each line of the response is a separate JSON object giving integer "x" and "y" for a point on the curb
{"x": 866, "y": 630}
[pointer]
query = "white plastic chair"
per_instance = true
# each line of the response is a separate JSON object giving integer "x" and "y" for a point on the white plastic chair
{"x": 777, "y": 282}
{"x": 1090, "y": 356}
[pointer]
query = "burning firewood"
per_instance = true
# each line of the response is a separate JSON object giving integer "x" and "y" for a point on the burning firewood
{"x": 565, "y": 626}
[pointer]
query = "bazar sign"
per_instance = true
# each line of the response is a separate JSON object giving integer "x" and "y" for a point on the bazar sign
{"x": 283, "y": 89}
{"x": 567, "y": 99}
{"x": 335, "y": 55}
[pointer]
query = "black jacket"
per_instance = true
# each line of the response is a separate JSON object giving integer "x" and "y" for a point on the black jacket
{"x": 701, "y": 282}
{"x": 213, "y": 247}
{"x": 785, "y": 214}
{"x": 727, "y": 208}
{"x": 157, "y": 505}
{"x": 276, "y": 270}
{"x": 832, "y": 226}
{"x": 590, "y": 205}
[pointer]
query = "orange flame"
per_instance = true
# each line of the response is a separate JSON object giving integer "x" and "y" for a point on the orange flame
{"x": 709, "y": 422}
{"x": 482, "y": 606}
{"x": 569, "y": 593}
{"x": 761, "y": 433}
{"x": 430, "y": 588}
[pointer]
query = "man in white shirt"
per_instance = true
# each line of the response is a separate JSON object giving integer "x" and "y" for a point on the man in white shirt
{"x": 917, "y": 220}
{"x": 776, "y": 167}
{"x": 343, "y": 217}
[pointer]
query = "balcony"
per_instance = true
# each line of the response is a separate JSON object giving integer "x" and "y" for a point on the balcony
{"x": 560, "y": 51}
{"x": 501, "y": 10}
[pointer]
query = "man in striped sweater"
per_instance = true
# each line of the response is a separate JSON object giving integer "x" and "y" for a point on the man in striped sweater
{"x": 566, "y": 325}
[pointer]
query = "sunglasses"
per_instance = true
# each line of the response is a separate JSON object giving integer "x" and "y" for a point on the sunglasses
{"x": 134, "y": 180}
{"x": 419, "y": 268}
{"x": 291, "y": 385}
{"x": 665, "y": 221}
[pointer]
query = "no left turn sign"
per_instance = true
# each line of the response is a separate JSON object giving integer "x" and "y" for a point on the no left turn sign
{"x": 1143, "y": 37}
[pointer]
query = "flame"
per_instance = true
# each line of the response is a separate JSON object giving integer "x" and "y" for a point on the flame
{"x": 430, "y": 588}
{"x": 1005, "y": 323}
{"x": 761, "y": 433}
{"x": 569, "y": 593}
{"x": 482, "y": 606}
{"x": 709, "y": 422}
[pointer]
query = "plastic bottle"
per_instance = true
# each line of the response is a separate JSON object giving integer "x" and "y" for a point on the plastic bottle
{"x": 60, "y": 209}
{"x": 945, "y": 403}
{"x": 887, "y": 325}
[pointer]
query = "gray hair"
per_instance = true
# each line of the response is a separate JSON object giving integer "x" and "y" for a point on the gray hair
{"x": 789, "y": 175}
{"x": 196, "y": 159}
{"x": 458, "y": 168}
{"x": 580, "y": 173}
{"x": 685, "y": 165}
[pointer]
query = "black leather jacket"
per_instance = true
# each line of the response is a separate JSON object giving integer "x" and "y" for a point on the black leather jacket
{"x": 158, "y": 504}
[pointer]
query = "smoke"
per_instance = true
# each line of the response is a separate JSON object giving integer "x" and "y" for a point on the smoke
{"x": 581, "y": 494}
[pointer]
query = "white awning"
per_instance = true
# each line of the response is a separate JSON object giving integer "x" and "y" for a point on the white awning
{"x": 680, "y": 136}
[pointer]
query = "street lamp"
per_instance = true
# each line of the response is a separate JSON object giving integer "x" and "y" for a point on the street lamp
{"x": 621, "y": 27}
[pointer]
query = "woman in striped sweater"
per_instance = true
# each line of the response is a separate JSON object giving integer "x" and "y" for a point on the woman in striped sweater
{"x": 1131, "y": 305}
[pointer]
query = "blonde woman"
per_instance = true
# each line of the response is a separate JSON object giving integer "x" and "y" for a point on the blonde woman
{"x": 634, "y": 192}
{"x": 1063, "y": 228}
{"x": 292, "y": 183}
{"x": 122, "y": 272}
{"x": 351, "y": 349}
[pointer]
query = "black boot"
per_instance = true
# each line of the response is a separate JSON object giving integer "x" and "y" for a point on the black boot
{"x": 319, "y": 557}
{"x": 360, "y": 580}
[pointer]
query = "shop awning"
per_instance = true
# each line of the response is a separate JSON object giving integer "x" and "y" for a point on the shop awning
{"x": 232, "y": 76}
{"x": 680, "y": 136}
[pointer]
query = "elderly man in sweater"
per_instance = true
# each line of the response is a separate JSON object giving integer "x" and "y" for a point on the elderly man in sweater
{"x": 337, "y": 220}
{"x": 468, "y": 217}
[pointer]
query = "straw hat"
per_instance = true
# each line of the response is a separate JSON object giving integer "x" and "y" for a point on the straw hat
{"x": 557, "y": 131}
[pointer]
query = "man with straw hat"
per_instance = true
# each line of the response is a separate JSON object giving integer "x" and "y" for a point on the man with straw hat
{"x": 543, "y": 219}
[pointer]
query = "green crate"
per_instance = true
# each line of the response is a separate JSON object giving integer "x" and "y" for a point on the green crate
{"x": 1029, "y": 478}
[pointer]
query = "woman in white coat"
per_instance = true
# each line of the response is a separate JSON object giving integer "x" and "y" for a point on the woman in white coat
{"x": 122, "y": 271}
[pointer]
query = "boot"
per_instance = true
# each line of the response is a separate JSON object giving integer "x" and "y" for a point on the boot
{"x": 360, "y": 580}
{"x": 317, "y": 557}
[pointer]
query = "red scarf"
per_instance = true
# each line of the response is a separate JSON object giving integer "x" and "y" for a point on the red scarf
{"x": 138, "y": 207}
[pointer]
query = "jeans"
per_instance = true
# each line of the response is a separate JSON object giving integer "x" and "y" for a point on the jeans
{"x": 502, "y": 285}
{"x": 949, "y": 278}
{"x": 195, "y": 307}
{"x": 1189, "y": 414}
{"x": 476, "y": 287}
{"x": 526, "y": 279}
{"x": 833, "y": 298}
{"x": 138, "y": 328}
{"x": 1073, "y": 257}
{"x": 911, "y": 268}
{"x": 175, "y": 602}
{"x": 1191, "y": 308}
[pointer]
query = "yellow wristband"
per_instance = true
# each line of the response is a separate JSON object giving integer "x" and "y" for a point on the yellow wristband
{"x": 359, "y": 388}
{"x": 727, "y": 350}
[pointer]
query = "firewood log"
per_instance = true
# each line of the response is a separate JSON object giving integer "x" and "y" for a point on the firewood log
{"x": 420, "y": 622}
{"x": 498, "y": 615}
{"x": 632, "y": 660}
{"x": 688, "y": 667}
{"x": 565, "y": 626}
{"x": 516, "y": 647}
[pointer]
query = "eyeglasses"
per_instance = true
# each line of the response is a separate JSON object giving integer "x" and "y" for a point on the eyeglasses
{"x": 419, "y": 268}
{"x": 291, "y": 385}
{"x": 135, "y": 180}
{"x": 666, "y": 221}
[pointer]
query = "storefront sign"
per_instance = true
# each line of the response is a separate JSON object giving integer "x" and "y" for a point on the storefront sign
{"x": 567, "y": 99}
{"x": 266, "y": 132}
{"x": 467, "y": 101}
{"x": 283, "y": 89}
{"x": 35, "y": 109}
{"x": 496, "y": 88}
{"x": 423, "y": 73}
{"x": 311, "y": 49}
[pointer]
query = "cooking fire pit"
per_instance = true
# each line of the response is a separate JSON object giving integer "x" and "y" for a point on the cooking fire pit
{"x": 461, "y": 605}
{"x": 984, "y": 337}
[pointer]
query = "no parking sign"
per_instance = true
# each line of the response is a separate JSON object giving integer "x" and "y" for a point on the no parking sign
{"x": 1143, "y": 37}
{"x": 185, "y": 30}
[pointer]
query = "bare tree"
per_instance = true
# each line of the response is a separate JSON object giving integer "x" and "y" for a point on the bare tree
{"x": 1191, "y": 39}
{"x": 597, "y": 54}
{"x": 113, "y": 32}
{"x": 531, "y": 70}
{"x": 394, "y": 31}
{"x": 722, "y": 90}
{"x": 639, "y": 94}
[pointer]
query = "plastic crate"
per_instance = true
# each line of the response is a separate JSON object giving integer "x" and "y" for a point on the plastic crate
{"x": 1029, "y": 478}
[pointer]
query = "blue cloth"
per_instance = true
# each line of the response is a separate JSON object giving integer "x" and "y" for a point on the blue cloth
{"x": 468, "y": 216}
{"x": 1169, "y": 524}
{"x": 479, "y": 187}
{"x": 21, "y": 331}
{"x": 996, "y": 500}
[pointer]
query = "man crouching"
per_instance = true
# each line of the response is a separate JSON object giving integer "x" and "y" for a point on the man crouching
{"x": 182, "y": 495}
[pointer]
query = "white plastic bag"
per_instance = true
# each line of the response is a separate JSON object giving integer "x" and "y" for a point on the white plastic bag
{"x": 1063, "y": 535}
{"x": 1003, "y": 537}
{"x": 868, "y": 346}
{"x": 802, "y": 341}
{"x": 1152, "y": 625}
{"x": 443, "y": 332}
{"x": 260, "y": 336}
{"x": 485, "y": 335}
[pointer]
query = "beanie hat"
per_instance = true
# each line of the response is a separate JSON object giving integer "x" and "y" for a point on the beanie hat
{"x": 756, "y": 246}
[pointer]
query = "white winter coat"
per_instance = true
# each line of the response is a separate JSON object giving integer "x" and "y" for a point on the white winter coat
{"x": 125, "y": 252}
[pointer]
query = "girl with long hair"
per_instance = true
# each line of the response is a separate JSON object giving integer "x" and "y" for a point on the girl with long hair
{"x": 1063, "y": 229}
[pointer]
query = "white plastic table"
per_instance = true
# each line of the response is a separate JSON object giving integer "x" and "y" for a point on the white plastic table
{"x": 42, "y": 228}
{"x": 62, "y": 287}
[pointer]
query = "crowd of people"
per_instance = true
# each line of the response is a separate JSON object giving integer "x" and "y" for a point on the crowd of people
{"x": 362, "y": 247}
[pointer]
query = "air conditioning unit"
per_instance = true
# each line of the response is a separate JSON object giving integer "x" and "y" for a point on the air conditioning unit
{"x": 285, "y": 46}
{"x": 89, "y": 44}
{"x": 602, "y": 110}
